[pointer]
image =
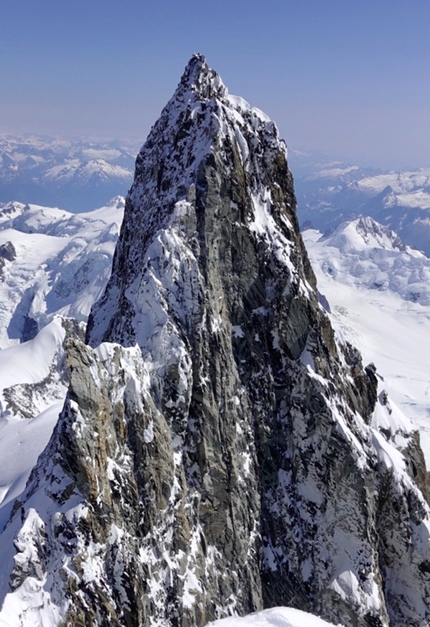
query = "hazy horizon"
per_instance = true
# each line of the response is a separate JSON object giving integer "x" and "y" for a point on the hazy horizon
{"x": 341, "y": 78}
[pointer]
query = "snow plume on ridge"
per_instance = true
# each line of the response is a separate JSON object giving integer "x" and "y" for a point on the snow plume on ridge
{"x": 216, "y": 453}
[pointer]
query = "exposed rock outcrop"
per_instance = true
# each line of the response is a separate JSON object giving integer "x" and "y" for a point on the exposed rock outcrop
{"x": 7, "y": 253}
{"x": 216, "y": 453}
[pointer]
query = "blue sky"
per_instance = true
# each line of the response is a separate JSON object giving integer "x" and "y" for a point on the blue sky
{"x": 339, "y": 76}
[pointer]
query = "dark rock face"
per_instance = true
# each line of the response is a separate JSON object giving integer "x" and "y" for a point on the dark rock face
{"x": 220, "y": 457}
{"x": 7, "y": 253}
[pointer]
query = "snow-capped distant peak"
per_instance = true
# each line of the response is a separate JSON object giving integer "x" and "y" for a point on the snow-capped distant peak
{"x": 374, "y": 233}
{"x": 361, "y": 234}
{"x": 366, "y": 254}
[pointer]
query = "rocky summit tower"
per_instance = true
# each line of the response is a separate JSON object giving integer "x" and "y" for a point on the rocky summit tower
{"x": 219, "y": 449}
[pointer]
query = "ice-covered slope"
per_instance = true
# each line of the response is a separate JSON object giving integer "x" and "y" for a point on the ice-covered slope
{"x": 52, "y": 262}
{"x": 378, "y": 291}
{"x": 219, "y": 452}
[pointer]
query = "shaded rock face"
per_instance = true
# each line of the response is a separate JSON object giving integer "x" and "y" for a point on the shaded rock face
{"x": 7, "y": 253}
{"x": 216, "y": 453}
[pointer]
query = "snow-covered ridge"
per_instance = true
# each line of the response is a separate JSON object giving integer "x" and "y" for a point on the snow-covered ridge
{"x": 201, "y": 97}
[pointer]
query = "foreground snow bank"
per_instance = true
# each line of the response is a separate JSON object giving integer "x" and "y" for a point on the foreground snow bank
{"x": 274, "y": 617}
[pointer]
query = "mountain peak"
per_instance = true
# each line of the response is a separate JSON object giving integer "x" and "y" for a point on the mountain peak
{"x": 202, "y": 128}
{"x": 215, "y": 453}
{"x": 201, "y": 79}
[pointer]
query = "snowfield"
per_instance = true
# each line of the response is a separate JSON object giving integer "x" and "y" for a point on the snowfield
{"x": 58, "y": 264}
{"x": 379, "y": 296}
{"x": 22, "y": 368}
{"x": 274, "y": 617}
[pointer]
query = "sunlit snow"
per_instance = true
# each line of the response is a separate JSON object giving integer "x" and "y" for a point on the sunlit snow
{"x": 379, "y": 297}
{"x": 21, "y": 441}
{"x": 274, "y": 617}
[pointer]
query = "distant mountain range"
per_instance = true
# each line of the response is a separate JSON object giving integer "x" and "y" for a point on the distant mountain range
{"x": 74, "y": 174}
{"x": 330, "y": 192}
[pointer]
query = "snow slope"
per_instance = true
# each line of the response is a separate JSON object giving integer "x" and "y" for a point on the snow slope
{"x": 32, "y": 393}
{"x": 379, "y": 295}
{"x": 58, "y": 263}
{"x": 274, "y": 617}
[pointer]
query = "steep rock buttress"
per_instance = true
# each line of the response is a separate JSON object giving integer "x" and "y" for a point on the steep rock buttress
{"x": 216, "y": 453}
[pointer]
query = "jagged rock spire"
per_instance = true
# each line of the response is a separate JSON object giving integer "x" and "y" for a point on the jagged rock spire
{"x": 201, "y": 127}
{"x": 199, "y": 77}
